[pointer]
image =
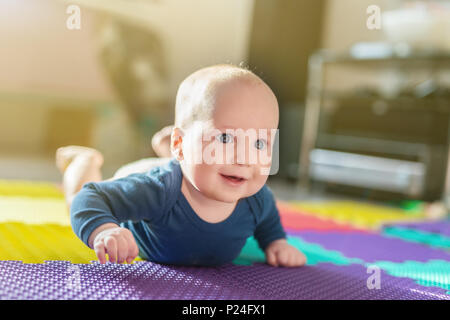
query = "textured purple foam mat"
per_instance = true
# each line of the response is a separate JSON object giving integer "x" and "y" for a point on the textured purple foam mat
{"x": 61, "y": 280}
{"x": 147, "y": 280}
{"x": 327, "y": 281}
{"x": 373, "y": 247}
{"x": 439, "y": 227}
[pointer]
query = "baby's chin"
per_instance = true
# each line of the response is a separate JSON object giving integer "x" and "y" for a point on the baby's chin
{"x": 222, "y": 197}
{"x": 228, "y": 197}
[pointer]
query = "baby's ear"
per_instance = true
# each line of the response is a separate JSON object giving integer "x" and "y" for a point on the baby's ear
{"x": 176, "y": 142}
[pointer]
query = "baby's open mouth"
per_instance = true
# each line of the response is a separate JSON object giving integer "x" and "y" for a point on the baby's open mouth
{"x": 233, "y": 178}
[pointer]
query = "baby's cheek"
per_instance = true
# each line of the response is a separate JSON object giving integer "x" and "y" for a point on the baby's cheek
{"x": 257, "y": 182}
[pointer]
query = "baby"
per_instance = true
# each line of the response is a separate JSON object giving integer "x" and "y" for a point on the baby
{"x": 179, "y": 210}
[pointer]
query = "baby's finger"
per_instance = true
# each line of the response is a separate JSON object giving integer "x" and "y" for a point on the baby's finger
{"x": 301, "y": 259}
{"x": 111, "y": 248}
{"x": 271, "y": 258}
{"x": 283, "y": 257}
{"x": 99, "y": 249}
{"x": 122, "y": 249}
{"x": 133, "y": 249}
{"x": 288, "y": 260}
{"x": 293, "y": 261}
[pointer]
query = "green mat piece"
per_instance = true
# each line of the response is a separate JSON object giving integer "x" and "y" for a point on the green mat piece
{"x": 430, "y": 273}
{"x": 431, "y": 239}
{"x": 412, "y": 207}
{"x": 315, "y": 253}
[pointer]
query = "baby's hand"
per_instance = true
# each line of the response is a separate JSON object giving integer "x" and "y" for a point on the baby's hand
{"x": 280, "y": 253}
{"x": 115, "y": 241}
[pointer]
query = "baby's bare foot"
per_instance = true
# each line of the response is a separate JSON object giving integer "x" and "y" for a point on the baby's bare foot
{"x": 65, "y": 156}
{"x": 161, "y": 142}
{"x": 79, "y": 165}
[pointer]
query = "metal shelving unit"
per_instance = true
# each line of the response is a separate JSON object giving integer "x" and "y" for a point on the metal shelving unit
{"x": 403, "y": 165}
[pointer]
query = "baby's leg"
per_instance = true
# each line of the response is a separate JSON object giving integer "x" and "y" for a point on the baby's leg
{"x": 161, "y": 145}
{"x": 79, "y": 165}
{"x": 161, "y": 142}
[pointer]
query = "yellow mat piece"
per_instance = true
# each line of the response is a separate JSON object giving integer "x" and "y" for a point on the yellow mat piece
{"x": 30, "y": 189}
{"x": 35, "y": 225}
{"x": 35, "y": 229}
{"x": 34, "y": 210}
{"x": 31, "y": 243}
{"x": 361, "y": 215}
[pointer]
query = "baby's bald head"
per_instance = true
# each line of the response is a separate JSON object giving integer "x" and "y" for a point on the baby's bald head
{"x": 196, "y": 95}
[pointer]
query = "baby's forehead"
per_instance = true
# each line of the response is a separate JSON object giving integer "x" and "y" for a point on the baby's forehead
{"x": 206, "y": 93}
{"x": 203, "y": 86}
{"x": 213, "y": 84}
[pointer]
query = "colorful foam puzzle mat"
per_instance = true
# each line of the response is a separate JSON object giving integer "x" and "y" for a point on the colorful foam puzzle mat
{"x": 354, "y": 251}
{"x": 358, "y": 214}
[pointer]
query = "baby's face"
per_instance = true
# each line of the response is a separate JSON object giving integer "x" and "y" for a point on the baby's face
{"x": 228, "y": 157}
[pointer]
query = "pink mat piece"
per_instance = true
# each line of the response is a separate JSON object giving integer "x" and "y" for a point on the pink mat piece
{"x": 294, "y": 219}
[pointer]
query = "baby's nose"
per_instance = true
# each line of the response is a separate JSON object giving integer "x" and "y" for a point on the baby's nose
{"x": 244, "y": 155}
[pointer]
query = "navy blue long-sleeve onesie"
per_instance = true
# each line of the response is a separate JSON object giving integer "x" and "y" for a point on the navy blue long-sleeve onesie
{"x": 164, "y": 225}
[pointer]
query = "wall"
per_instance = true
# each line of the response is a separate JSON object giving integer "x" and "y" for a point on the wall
{"x": 284, "y": 34}
{"x": 193, "y": 36}
{"x": 44, "y": 66}
{"x": 345, "y": 22}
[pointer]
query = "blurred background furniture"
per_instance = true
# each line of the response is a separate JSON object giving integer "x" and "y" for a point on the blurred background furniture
{"x": 387, "y": 129}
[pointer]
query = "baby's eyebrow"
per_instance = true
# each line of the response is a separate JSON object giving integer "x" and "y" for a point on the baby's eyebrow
{"x": 236, "y": 128}
{"x": 267, "y": 137}
{"x": 226, "y": 127}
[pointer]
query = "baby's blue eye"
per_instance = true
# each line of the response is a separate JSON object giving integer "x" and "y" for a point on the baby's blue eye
{"x": 225, "y": 138}
{"x": 260, "y": 144}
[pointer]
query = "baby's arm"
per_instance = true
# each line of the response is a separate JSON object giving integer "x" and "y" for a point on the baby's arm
{"x": 271, "y": 237}
{"x": 99, "y": 208}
